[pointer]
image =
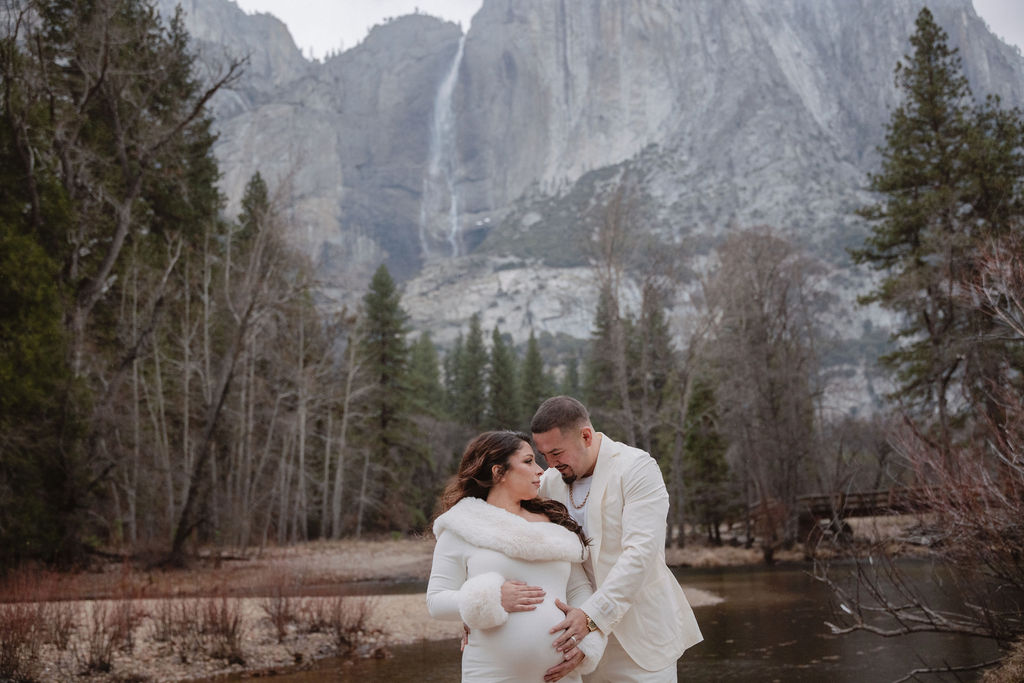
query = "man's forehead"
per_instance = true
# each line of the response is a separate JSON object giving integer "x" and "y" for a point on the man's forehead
{"x": 552, "y": 439}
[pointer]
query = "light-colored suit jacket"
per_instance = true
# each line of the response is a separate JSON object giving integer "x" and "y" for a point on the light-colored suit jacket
{"x": 636, "y": 598}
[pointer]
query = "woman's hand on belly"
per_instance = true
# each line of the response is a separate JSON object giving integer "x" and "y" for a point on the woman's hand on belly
{"x": 516, "y": 596}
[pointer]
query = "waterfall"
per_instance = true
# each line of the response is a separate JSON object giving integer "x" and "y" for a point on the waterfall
{"x": 439, "y": 183}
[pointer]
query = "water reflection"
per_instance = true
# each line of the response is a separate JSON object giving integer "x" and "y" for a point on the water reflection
{"x": 770, "y": 628}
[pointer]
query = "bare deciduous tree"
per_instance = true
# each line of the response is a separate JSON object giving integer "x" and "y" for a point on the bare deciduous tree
{"x": 971, "y": 498}
{"x": 766, "y": 302}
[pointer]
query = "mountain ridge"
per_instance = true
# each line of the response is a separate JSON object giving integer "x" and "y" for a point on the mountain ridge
{"x": 722, "y": 115}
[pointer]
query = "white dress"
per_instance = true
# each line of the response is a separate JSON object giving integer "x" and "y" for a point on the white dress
{"x": 479, "y": 547}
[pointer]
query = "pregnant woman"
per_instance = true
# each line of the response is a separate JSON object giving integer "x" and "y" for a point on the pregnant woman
{"x": 506, "y": 563}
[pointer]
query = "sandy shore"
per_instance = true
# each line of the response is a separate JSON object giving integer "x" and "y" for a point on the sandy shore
{"x": 394, "y": 619}
{"x": 304, "y": 578}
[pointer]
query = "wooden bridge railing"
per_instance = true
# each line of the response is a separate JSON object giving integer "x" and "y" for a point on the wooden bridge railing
{"x": 830, "y": 510}
{"x": 894, "y": 501}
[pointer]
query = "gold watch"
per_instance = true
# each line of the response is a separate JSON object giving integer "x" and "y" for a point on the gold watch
{"x": 591, "y": 624}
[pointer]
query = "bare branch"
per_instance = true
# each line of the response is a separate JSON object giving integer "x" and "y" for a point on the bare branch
{"x": 947, "y": 669}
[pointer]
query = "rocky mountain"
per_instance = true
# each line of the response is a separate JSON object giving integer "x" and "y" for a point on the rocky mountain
{"x": 468, "y": 160}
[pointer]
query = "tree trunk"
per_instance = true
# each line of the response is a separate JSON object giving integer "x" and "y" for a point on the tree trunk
{"x": 301, "y": 507}
{"x": 362, "y": 494}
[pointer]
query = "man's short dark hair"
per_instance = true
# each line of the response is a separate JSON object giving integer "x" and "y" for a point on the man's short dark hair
{"x": 563, "y": 412}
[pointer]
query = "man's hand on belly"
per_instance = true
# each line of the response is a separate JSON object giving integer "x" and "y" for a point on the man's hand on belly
{"x": 575, "y": 622}
{"x": 573, "y": 628}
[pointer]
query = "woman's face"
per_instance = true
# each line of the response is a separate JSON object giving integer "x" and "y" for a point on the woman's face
{"x": 522, "y": 474}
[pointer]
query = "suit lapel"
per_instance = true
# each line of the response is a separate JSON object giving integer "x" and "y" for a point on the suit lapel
{"x": 597, "y": 488}
{"x": 552, "y": 486}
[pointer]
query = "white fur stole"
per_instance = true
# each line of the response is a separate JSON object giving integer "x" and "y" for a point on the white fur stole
{"x": 488, "y": 526}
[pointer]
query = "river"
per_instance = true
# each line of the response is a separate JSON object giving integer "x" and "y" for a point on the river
{"x": 770, "y": 627}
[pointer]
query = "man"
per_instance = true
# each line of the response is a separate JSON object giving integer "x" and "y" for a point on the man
{"x": 616, "y": 492}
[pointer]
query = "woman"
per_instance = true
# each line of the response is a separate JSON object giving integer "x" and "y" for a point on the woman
{"x": 506, "y": 562}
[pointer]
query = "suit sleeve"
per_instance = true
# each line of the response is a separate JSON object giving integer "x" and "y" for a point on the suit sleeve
{"x": 547, "y": 484}
{"x": 451, "y": 595}
{"x": 579, "y": 588}
{"x": 645, "y": 509}
{"x": 592, "y": 645}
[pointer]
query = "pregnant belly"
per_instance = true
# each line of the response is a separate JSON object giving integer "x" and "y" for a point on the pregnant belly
{"x": 520, "y": 649}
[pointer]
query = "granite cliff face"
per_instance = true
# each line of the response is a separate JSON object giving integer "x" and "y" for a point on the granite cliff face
{"x": 345, "y": 140}
{"x": 751, "y": 111}
{"x": 465, "y": 161}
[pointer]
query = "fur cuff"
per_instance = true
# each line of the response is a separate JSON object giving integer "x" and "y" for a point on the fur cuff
{"x": 480, "y": 601}
{"x": 592, "y": 646}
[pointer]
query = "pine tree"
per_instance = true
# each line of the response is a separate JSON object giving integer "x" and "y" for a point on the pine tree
{"x": 535, "y": 385}
{"x": 387, "y": 429}
{"x": 471, "y": 378}
{"x": 255, "y": 207}
{"x": 707, "y": 478}
{"x": 947, "y": 175}
{"x": 502, "y": 386}
{"x": 35, "y": 476}
{"x": 606, "y": 381}
{"x": 384, "y": 347}
{"x": 426, "y": 394}
{"x": 652, "y": 360}
{"x": 421, "y": 484}
{"x": 452, "y": 362}
{"x": 599, "y": 372}
{"x": 570, "y": 385}
{"x": 41, "y": 474}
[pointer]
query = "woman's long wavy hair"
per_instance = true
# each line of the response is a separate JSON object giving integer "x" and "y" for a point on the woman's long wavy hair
{"x": 476, "y": 477}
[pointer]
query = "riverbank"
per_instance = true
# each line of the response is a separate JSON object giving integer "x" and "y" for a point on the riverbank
{"x": 258, "y": 611}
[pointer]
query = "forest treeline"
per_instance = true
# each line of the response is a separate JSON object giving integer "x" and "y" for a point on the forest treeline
{"x": 171, "y": 377}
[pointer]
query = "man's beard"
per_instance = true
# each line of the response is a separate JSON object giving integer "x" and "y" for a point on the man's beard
{"x": 568, "y": 479}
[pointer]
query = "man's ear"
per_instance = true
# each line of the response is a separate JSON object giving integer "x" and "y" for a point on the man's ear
{"x": 587, "y": 433}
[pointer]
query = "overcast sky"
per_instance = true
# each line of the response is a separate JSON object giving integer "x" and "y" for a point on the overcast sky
{"x": 320, "y": 26}
{"x": 326, "y": 25}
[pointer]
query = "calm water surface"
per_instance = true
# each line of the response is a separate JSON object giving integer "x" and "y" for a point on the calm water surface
{"x": 770, "y": 628}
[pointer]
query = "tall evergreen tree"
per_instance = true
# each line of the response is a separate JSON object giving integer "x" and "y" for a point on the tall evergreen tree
{"x": 598, "y": 373}
{"x": 386, "y": 355}
{"x": 536, "y": 385}
{"x": 452, "y": 362}
{"x": 38, "y": 426}
{"x": 384, "y": 346}
{"x": 471, "y": 378}
{"x": 41, "y": 478}
{"x": 425, "y": 390}
{"x": 948, "y": 181}
{"x": 570, "y": 385}
{"x": 502, "y": 386}
{"x": 707, "y": 472}
{"x": 652, "y": 360}
{"x": 255, "y": 206}
{"x": 608, "y": 360}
